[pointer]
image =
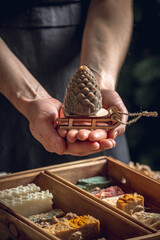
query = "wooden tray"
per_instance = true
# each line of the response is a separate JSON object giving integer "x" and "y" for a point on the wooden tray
{"x": 117, "y": 171}
{"x": 153, "y": 236}
{"x": 113, "y": 225}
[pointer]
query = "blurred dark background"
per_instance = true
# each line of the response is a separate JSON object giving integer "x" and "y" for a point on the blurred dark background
{"x": 139, "y": 83}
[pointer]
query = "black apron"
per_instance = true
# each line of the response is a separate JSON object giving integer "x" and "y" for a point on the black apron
{"x": 46, "y": 36}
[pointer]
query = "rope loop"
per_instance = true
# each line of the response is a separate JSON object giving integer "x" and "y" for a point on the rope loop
{"x": 137, "y": 116}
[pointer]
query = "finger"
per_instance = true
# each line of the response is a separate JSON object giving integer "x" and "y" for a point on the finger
{"x": 113, "y": 133}
{"x": 117, "y": 131}
{"x": 107, "y": 144}
{"x": 97, "y": 135}
{"x": 62, "y": 132}
{"x": 82, "y": 148}
{"x": 72, "y": 135}
{"x": 83, "y": 134}
{"x": 85, "y": 148}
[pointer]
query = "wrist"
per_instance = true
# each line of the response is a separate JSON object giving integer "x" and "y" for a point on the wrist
{"x": 27, "y": 97}
{"x": 105, "y": 80}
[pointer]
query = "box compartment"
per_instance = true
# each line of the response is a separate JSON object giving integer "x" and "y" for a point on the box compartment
{"x": 125, "y": 177}
{"x": 113, "y": 225}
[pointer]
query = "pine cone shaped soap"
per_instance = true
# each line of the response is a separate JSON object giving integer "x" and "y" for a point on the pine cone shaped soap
{"x": 83, "y": 96}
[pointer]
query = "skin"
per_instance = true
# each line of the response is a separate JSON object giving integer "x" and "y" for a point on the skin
{"x": 105, "y": 43}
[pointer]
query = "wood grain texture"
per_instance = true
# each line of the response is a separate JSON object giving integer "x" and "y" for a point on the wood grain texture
{"x": 18, "y": 229}
{"x": 60, "y": 180}
{"x": 155, "y": 236}
{"x": 117, "y": 171}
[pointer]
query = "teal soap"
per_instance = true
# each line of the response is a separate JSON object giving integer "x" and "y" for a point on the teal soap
{"x": 96, "y": 179}
{"x": 92, "y": 182}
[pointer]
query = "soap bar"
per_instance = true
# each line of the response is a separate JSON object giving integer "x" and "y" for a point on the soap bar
{"x": 86, "y": 225}
{"x": 96, "y": 179}
{"x": 112, "y": 191}
{"x": 148, "y": 218}
{"x": 128, "y": 202}
{"x": 112, "y": 200}
{"x": 27, "y": 200}
{"x": 93, "y": 182}
{"x": 46, "y": 217}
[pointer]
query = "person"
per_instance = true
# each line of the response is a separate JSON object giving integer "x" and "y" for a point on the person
{"x": 42, "y": 44}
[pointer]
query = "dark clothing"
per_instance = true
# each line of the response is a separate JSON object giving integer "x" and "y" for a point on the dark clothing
{"x": 46, "y": 36}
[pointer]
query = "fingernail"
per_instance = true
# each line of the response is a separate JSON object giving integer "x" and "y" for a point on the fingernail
{"x": 113, "y": 142}
{"x": 95, "y": 146}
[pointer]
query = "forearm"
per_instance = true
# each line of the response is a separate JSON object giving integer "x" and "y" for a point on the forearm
{"x": 106, "y": 39}
{"x": 16, "y": 83}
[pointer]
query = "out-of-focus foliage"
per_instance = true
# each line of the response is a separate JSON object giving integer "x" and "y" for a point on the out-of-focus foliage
{"x": 139, "y": 83}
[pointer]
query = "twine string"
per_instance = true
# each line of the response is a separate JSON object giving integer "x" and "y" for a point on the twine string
{"x": 137, "y": 116}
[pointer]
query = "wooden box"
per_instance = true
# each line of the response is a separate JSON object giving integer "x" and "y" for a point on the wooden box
{"x": 127, "y": 178}
{"x": 69, "y": 199}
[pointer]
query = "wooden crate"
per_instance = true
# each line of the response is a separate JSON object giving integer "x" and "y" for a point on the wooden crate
{"x": 127, "y": 178}
{"x": 153, "y": 236}
{"x": 113, "y": 225}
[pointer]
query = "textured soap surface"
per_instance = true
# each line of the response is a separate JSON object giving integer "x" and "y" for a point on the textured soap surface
{"x": 148, "y": 218}
{"x": 83, "y": 96}
{"x": 27, "y": 200}
{"x": 44, "y": 217}
{"x": 128, "y": 202}
{"x": 88, "y": 226}
{"x": 92, "y": 182}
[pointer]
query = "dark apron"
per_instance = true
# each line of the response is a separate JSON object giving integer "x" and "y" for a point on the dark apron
{"x": 46, "y": 37}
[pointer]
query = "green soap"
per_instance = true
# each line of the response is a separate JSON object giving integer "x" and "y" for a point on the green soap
{"x": 92, "y": 180}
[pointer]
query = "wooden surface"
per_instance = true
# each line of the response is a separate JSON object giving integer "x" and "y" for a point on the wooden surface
{"x": 67, "y": 164}
{"x": 117, "y": 171}
{"x": 69, "y": 200}
{"x": 17, "y": 229}
{"x": 69, "y": 197}
{"x": 135, "y": 181}
{"x": 73, "y": 200}
{"x": 24, "y": 227}
{"x": 155, "y": 236}
{"x": 4, "y": 232}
